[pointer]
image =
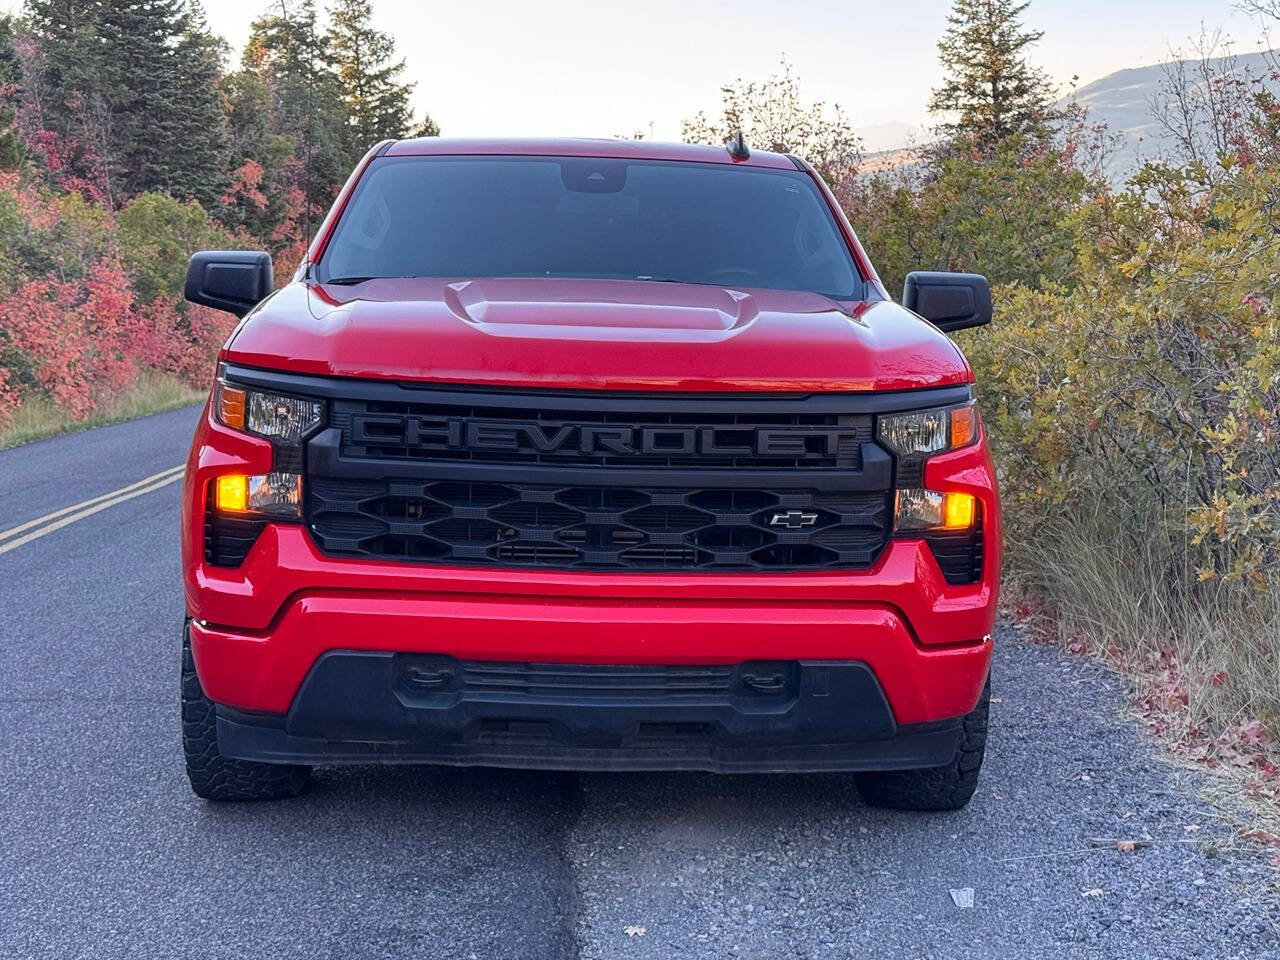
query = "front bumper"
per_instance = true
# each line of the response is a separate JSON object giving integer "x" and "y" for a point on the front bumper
{"x": 259, "y": 630}
{"x": 261, "y": 670}
{"x": 763, "y": 717}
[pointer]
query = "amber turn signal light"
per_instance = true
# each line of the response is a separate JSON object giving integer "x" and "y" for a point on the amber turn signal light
{"x": 230, "y": 406}
{"x": 964, "y": 425}
{"x": 275, "y": 495}
{"x": 958, "y": 510}
{"x": 232, "y": 493}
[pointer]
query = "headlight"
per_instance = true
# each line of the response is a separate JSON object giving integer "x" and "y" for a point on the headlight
{"x": 924, "y": 432}
{"x": 272, "y": 494}
{"x": 918, "y": 509}
{"x": 273, "y": 415}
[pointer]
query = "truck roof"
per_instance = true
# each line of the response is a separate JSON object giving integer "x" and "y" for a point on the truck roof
{"x": 570, "y": 147}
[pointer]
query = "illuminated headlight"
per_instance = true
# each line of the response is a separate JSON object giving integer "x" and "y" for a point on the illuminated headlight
{"x": 271, "y": 494}
{"x": 918, "y": 509}
{"x": 272, "y": 415}
{"x": 924, "y": 432}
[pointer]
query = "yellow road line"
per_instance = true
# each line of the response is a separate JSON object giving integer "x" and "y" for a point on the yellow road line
{"x": 86, "y": 503}
{"x": 97, "y": 504}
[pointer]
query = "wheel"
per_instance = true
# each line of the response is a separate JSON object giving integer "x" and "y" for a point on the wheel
{"x": 213, "y": 776}
{"x": 935, "y": 788}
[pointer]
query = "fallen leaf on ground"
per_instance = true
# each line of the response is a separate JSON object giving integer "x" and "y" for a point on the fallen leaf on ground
{"x": 1263, "y": 837}
{"x": 1254, "y": 733}
{"x": 1095, "y": 892}
{"x": 1126, "y": 846}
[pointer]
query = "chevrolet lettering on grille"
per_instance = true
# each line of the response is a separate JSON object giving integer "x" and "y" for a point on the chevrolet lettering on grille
{"x": 585, "y": 440}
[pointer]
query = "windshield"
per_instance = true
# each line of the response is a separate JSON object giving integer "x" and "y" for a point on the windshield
{"x": 470, "y": 217}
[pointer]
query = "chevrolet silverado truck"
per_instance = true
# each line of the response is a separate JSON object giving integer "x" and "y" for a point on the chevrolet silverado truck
{"x": 588, "y": 455}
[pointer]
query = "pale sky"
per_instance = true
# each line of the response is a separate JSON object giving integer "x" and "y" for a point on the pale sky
{"x": 579, "y": 68}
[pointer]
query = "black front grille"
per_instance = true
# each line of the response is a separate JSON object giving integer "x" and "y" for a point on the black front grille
{"x": 545, "y": 681}
{"x": 535, "y": 434}
{"x": 597, "y": 527}
{"x": 507, "y": 682}
{"x": 601, "y": 480}
{"x": 608, "y": 481}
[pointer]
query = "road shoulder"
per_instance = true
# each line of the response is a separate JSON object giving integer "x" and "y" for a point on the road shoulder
{"x": 768, "y": 867}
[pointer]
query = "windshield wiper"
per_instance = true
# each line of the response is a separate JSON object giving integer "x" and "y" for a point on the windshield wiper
{"x": 350, "y": 281}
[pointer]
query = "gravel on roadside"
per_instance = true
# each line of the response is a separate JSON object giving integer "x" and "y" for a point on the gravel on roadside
{"x": 752, "y": 867}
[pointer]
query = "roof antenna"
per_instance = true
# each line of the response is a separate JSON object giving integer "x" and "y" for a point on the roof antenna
{"x": 737, "y": 146}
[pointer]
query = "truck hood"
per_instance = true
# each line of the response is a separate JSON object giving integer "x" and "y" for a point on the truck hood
{"x": 595, "y": 334}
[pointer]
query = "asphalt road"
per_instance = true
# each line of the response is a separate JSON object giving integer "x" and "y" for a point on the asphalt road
{"x": 105, "y": 853}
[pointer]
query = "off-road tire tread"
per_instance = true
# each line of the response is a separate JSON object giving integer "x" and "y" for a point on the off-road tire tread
{"x": 213, "y": 776}
{"x": 942, "y": 788}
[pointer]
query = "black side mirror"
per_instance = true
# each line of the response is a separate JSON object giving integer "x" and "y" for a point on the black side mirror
{"x": 231, "y": 280}
{"x": 950, "y": 301}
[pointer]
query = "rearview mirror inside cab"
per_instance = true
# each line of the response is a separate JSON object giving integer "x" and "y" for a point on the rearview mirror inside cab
{"x": 231, "y": 280}
{"x": 950, "y": 301}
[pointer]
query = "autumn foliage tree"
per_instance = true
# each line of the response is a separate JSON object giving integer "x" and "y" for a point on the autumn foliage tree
{"x": 1001, "y": 211}
{"x": 125, "y": 144}
{"x": 772, "y": 115}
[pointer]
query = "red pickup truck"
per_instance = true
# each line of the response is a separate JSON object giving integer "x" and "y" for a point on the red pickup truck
{"x": 588, "y": 455}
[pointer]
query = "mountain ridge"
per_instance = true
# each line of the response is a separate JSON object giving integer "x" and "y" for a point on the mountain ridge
{"x": 1121, "y": 99}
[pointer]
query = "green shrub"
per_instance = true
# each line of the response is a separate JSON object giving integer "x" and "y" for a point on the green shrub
{"x": 157, "y": 234}
{"x": 1135, "y": 416}
{"x": 1150, "y": 391}
{"x": 999, "y": 210}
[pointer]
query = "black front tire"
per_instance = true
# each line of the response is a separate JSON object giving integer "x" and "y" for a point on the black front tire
{"x": 213, "y": 776}
{"x": 935, "y": 788}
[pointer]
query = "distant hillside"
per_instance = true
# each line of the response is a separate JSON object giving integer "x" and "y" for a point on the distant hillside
{"x": 888, "y": 136}
{"x": 1122, "y": 100}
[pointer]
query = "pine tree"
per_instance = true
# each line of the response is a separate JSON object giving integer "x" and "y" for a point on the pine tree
{"x": 194, "y": 160}
{"x": 288, "y": 53}
{"x": 132, "y": 86}
{"x": 63, "y": 76}
{"x": 377, "y": 101}
{"x": 65, "y": 33}
{"x": 257, "y": 153}
{"x": 12, "y": 150}
{"x": 426, "y": 127}
{"x": 990, "y": 86}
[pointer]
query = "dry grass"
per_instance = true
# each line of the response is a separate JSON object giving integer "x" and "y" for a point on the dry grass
{"x": 154, "y": 392}
{"x": 1202, "y": 660}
